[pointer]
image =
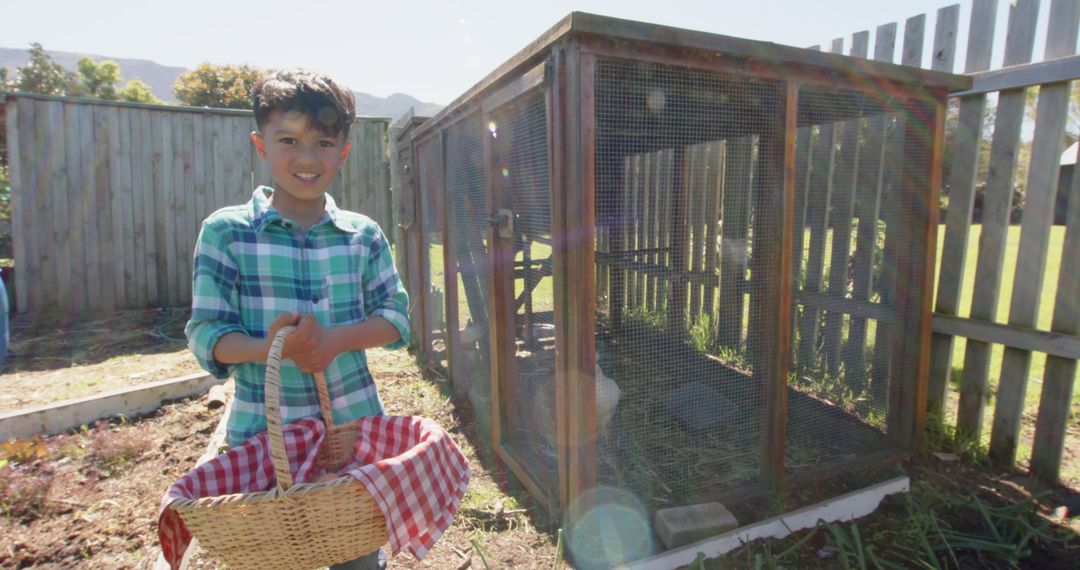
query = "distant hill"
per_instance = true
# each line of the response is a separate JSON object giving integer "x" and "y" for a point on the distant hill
{"x": 160, "y": 78}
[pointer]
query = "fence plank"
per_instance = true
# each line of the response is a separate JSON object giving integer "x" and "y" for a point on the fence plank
{"x": 904, "y": 178}
{"x": 125, "y": 239}
{"x": 161, "y": 198}
{"x": 714, "y": 196}
{"x": 77, "y": 213}
{"x": 1003, "y": 151}
{"x": 965, "y": 153}
{"x": 60, "y": 223}
{"x": 804, "y": 142}
{"x": 695, "y": 196}
{"x": 819, "y": 199}
{"x": 1060, "y": 374}
{"x": 652, "y": 224}
{"x": 138, "y": 197}
{"x": 167, "y": 211}
{"x": 90, "y": 207}
{"x": 103, "y": 190}
{"x": 15, "y": 135}
{"x": 844, "y": 198}
{"x": 149, "y": 193}
{"x": 738, "y": 169}
{"x": 819, "y": 196}
{"x": 867, "y": 209}
{"x": 42, "y": 270}
{"x": 1035, "y": 227}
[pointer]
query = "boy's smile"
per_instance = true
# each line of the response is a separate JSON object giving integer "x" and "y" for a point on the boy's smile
{"x": 303, "y": 161}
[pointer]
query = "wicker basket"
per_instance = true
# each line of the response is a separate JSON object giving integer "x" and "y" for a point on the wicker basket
{"x": 300, "y": 526}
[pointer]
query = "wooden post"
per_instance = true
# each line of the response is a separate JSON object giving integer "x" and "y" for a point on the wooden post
{"x": 774, "y": 201}
{"x": 574, "y": 180}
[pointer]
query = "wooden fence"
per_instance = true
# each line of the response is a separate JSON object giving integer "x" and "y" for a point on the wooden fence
{"x": 1020, "y": 335}
{"x": 107, "y": 198}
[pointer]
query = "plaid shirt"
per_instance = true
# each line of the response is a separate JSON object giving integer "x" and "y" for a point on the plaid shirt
{"x": 251, "y": 265}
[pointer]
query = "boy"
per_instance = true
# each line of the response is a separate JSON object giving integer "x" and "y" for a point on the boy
{"x": 289, "y": 256}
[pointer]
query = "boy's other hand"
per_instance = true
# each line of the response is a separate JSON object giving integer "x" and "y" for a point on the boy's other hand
{"x": 308, "y": 347}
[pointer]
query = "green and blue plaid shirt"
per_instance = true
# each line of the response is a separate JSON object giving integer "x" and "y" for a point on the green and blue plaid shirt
{"x": 251, "y": 265}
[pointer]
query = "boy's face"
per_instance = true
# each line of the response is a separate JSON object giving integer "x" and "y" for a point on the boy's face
{"x": 303, "y": 161}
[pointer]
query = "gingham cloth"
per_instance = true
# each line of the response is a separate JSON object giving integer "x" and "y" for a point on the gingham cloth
{"x": 409, "y": 465}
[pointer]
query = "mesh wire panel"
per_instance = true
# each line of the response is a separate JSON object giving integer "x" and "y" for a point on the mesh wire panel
{"x": 519, "y": 133}
{"x": 679, "y": 413}
{"x": 466, "y": 227}
{"x": 429, "y": 156}
{"x": 850, "y": 153}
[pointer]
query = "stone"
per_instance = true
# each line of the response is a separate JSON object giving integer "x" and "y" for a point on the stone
{"x": 699, "y": 408}
{"x": 679, "y": 526}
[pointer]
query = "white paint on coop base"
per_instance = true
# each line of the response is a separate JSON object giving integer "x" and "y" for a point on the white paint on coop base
{"x": 844, "y": 508}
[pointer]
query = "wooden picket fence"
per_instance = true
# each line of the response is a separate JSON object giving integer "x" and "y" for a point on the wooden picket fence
{"x": 1020, "y": 336}
{"x": 108, "y": 198}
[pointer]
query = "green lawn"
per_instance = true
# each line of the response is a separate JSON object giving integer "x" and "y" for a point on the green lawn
{"x": 1070, "y": 471}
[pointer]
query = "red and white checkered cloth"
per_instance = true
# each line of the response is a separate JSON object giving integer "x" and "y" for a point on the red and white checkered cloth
{"x": 409, "y": 465}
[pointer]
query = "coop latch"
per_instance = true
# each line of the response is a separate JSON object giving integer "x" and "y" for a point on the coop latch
{"x": 502, "y": 221}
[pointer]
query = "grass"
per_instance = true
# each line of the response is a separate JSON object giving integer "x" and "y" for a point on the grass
{"x": 1070, "y": 471}
{"x": 543, "y": 294}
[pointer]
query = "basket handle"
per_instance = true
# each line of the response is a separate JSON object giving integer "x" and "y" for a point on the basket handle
{"x": 272, "y": 401}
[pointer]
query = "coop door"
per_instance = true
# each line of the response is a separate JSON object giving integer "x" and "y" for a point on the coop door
{"x": 520, "y": 234}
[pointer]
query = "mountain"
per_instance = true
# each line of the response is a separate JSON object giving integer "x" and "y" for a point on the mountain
{"x": 160, "y": 78}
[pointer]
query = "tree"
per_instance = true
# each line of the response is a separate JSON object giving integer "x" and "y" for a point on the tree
{"x": 43, "y": 75}
{"x": 225, "y": 86}
{"x": 97, "y": 80}
{"x": 136, "y": 91}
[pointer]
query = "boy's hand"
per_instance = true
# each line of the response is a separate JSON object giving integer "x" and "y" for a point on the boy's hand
{"x": 283, "y": 320}
{"x": 308, "y": 346}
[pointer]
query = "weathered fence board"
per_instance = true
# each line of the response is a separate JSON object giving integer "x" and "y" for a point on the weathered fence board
{"x": 965, "y": 153}
{"x": 109, "y": 197}
{"x": 1038, "y": 215}
{"x": 995, "y": 223}
{"x": 1010, "y": 136}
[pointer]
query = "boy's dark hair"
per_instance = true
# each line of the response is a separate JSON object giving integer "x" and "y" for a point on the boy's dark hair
{"x": 329, "y": 107}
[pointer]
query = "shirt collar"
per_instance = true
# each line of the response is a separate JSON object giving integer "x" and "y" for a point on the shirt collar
{"x": 263, "y": 212}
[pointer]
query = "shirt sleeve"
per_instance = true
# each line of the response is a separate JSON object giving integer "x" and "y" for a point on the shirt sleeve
{"x": 384, "y": 294}
{"x": 214, "y": 300}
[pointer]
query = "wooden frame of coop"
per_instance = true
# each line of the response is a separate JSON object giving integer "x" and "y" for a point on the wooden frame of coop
{"x": 529, "y": 179}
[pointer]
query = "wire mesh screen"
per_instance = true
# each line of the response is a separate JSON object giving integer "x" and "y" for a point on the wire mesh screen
{"x": 519, "y": 135}
{"x": 467, "y": 230}
{"x": 429, "y": 156}
{"x": 849, "y": 183}
{"x": 679, "y": 414}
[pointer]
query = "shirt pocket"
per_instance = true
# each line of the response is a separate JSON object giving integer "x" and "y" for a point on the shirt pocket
{"x": 346, "y": 295}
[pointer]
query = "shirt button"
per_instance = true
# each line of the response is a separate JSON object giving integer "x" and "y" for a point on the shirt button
{"x": 315, "y": 299}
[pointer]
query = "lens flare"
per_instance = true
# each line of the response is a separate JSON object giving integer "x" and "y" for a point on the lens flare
{"x": 608, "y": 527}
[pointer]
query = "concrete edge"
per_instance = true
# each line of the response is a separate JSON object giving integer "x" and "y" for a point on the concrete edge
{"x": 844, "y": 508}
{"x": 62, "y": 416}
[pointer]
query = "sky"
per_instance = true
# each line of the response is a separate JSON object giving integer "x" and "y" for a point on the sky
{"x": 432, "y": 50}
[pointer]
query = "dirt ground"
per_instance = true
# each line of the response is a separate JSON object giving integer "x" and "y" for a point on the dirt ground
{"x": 88, "y": 499}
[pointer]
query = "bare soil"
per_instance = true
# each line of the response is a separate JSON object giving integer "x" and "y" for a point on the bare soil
{"x": 81, "y": 502}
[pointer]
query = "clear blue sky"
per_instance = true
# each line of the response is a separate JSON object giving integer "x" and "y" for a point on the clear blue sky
{"x": 432, "y": 50}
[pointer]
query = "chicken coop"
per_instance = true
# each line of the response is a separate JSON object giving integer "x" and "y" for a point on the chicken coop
{"x": 686, "y": 266}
